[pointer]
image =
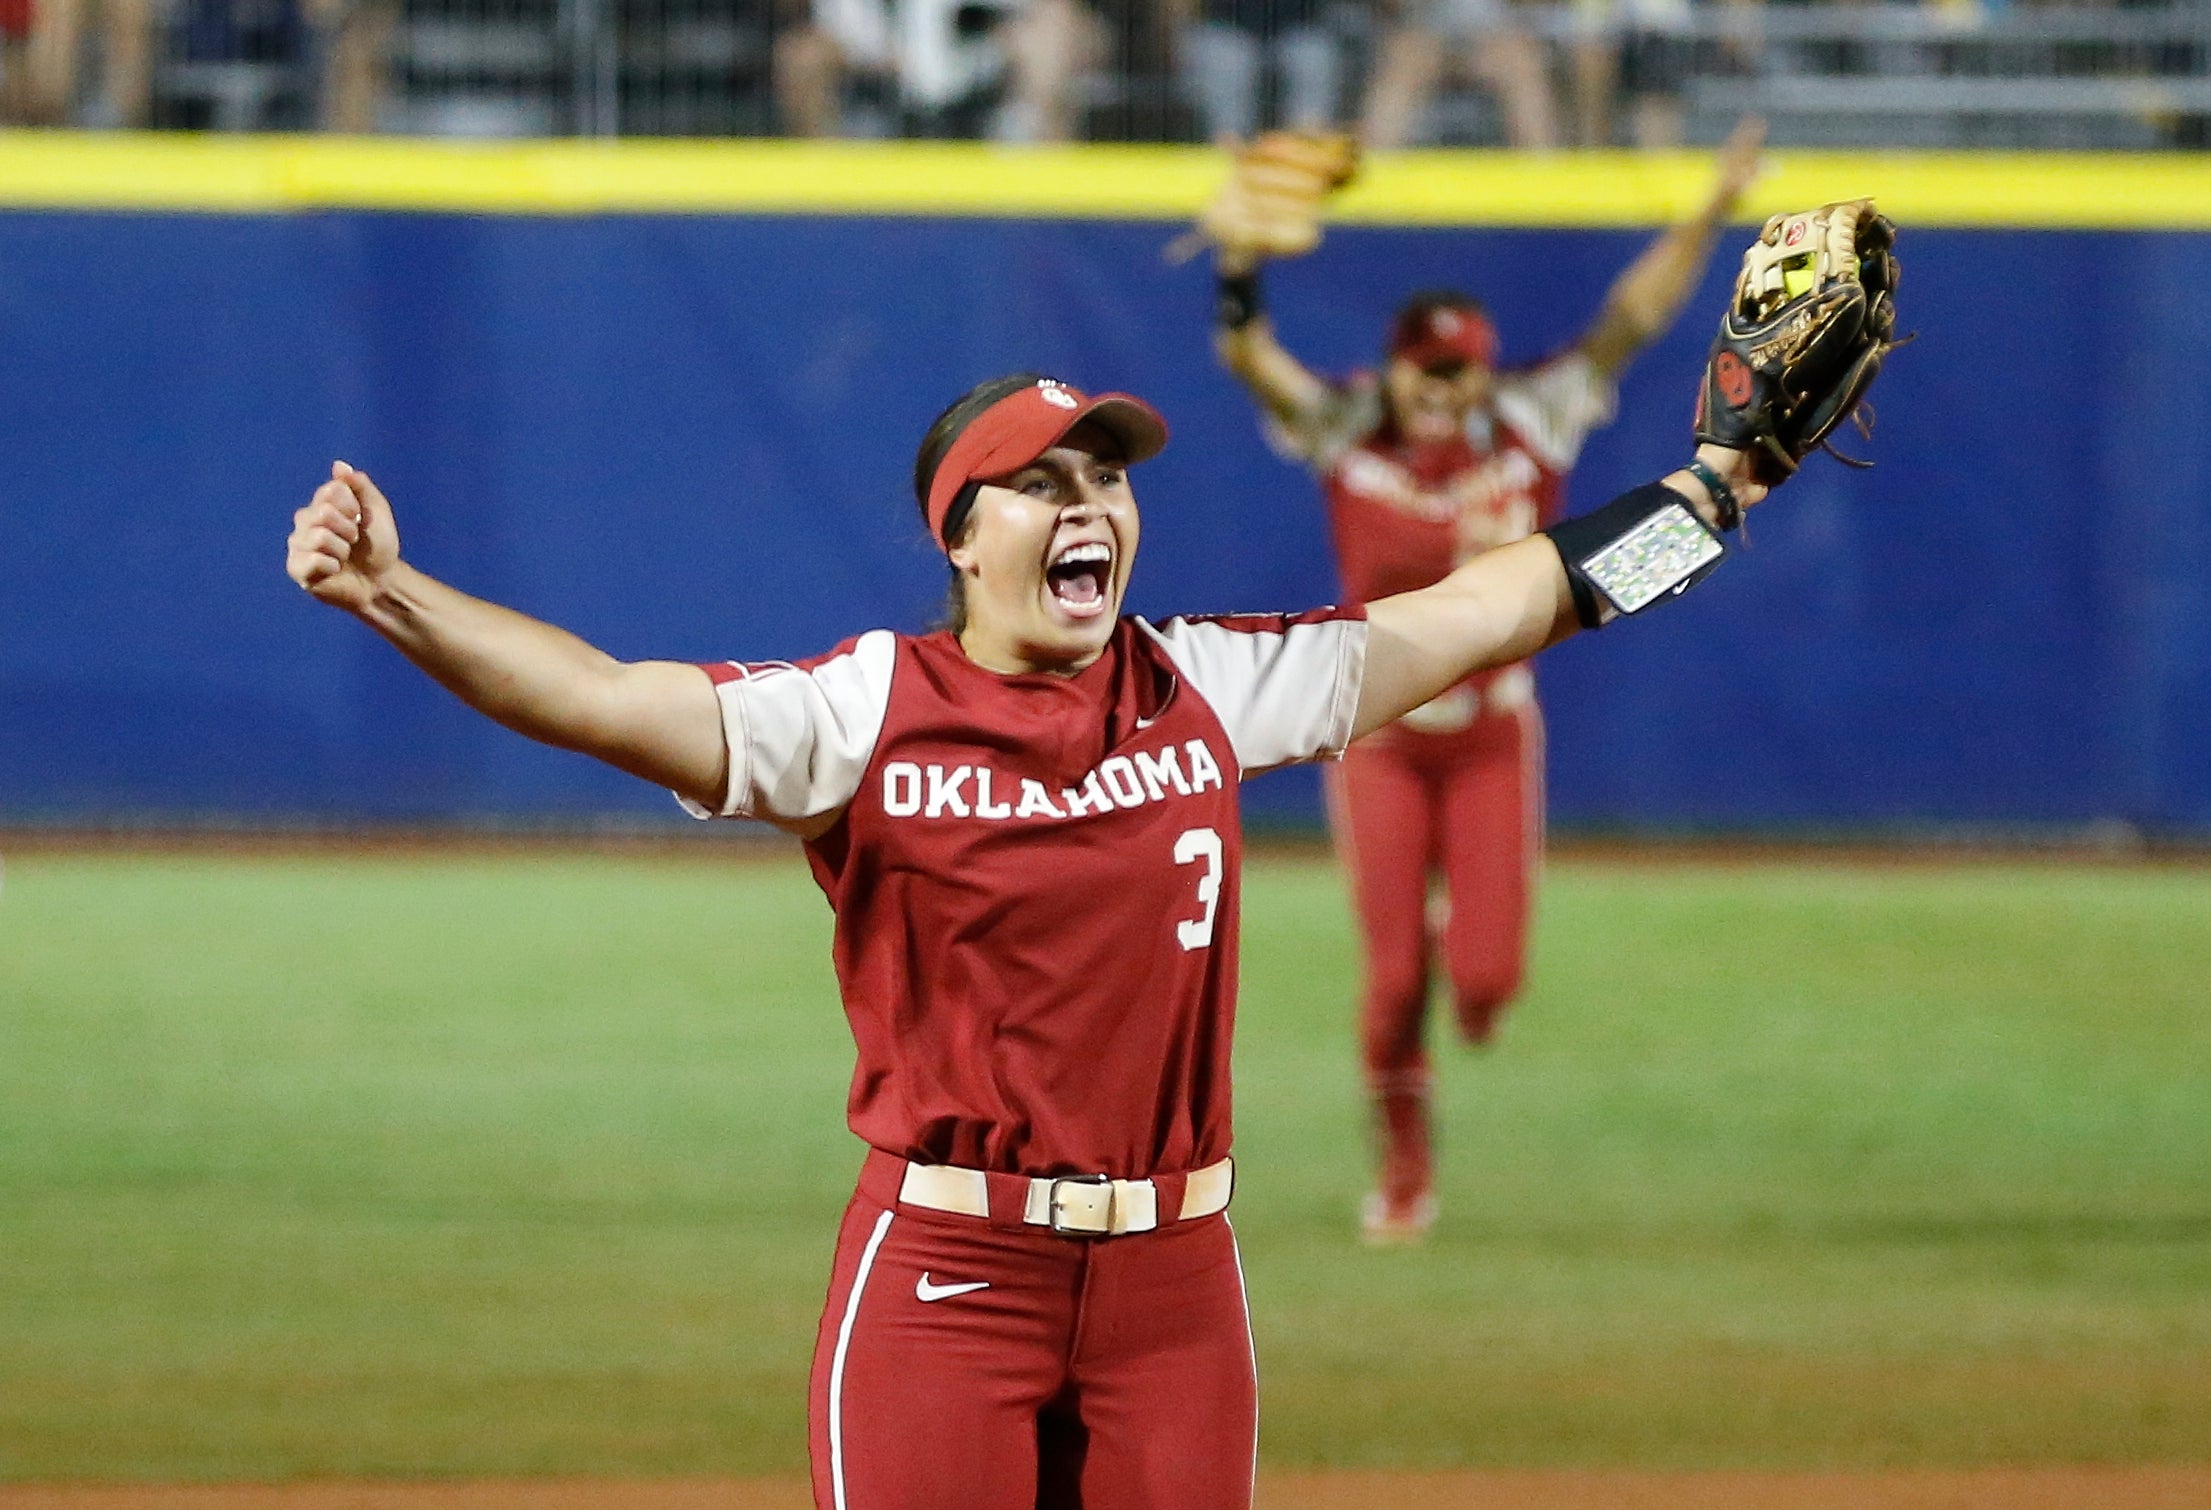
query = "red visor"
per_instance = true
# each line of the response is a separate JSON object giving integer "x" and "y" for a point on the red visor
{"x": 1438, "y": 335}
{"x": 1024, "y": 425}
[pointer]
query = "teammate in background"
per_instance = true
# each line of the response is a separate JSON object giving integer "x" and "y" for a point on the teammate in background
{"x": 933, "y": 64}
{"x": 1438, "y": 459}
{"x": 1027, "y": 828}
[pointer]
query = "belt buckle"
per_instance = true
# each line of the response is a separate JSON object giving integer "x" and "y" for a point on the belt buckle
{"x": 1055, "y": 1209}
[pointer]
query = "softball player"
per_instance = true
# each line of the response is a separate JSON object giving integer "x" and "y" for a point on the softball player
{"x": 1027, "y": 828}
{"x": 1440, "y": 458}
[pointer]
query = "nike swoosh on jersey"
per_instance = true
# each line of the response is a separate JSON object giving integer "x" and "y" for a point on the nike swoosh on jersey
{"x": 925, "y": 1291}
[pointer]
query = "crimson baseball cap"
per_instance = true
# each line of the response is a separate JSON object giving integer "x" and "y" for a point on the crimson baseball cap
{"x": 1028, "y": 422}
{"x": 1433, "y": 334}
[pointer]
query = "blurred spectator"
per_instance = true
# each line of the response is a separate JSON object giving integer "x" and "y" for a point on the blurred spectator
{"x": 1642, "y": 54}
{"x": 257, "y": 65}
{"x": 1225, "y": 49}
{"x": 78, "y": 62}
{"x": 225, "y": 64}
{"x": 1428, "y": 43}
{"x": 1008, "y": 68}
{"x": 1051, "y": 46}
{"x": 236, "y": 65}
{"x": 17, "y": 107}
{"x": 353, "y": 41}
{"x": 835, "y": 47}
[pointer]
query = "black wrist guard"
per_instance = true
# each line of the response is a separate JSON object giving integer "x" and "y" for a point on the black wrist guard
{"x": 1642, "y": 548}
{"x": 1236, "y": 300}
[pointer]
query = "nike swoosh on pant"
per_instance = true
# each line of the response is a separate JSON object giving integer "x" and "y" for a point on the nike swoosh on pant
{"x": 925, "y": 1291}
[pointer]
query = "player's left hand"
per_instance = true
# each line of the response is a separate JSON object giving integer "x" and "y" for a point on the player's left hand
{"x": 1812, "y": 317}
{"x": 1737, "y": 469}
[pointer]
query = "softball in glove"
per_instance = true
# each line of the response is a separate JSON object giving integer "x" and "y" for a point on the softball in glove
{"x": 1813, "y": 314}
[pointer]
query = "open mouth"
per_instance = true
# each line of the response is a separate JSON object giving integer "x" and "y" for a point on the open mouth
{"x": 1080, "y": 577}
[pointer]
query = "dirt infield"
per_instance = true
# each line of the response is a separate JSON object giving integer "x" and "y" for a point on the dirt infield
{"x": 1922, "y": 1489}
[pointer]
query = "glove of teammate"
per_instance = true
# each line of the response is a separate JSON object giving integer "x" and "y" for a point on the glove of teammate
{"x": 1813, "y": 314}
{"x": 1277, "y": 183}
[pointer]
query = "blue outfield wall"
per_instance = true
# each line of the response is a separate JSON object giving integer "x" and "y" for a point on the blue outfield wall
{"x": 690, "y": 436}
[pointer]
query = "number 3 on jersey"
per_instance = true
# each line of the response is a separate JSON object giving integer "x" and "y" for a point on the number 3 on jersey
{"x": 1195, "y": 845}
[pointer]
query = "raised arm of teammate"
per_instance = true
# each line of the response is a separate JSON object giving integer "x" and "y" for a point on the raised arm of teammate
{"x": 1641, "y": 305}
{"x": 1501, "y": 606}
{"x": 1284, "y": 386}
{"x": 1645, "y": 299}
{"x": 655, "y": 719}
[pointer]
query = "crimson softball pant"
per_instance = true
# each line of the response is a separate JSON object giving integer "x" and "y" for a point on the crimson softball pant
{"x": 1468, "y": 807}
{"x": 963, "y": 1365}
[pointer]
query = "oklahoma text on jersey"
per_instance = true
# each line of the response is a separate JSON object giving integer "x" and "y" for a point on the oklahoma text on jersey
{"x": 932, "y": 791}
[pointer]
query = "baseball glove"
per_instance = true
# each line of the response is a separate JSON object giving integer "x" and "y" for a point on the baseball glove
{"x": 1814, "y": 312}
{"x": 1277, "y": 183}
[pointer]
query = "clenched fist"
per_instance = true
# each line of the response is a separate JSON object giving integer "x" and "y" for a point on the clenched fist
{"x": 343, "y": 541}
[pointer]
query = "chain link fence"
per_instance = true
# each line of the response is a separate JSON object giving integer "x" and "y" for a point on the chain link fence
{"x": 1950, "y": 73}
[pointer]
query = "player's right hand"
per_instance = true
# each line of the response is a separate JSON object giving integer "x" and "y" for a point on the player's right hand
{"x": 344, "y": 540}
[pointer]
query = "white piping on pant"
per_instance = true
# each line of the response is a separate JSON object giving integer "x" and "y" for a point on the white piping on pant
{"x": 1535, "y": 809}
{"x": 836, "y": 1365}
{"x": 1251, "y": 1343}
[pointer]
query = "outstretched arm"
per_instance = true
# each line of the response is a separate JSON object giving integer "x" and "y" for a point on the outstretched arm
{"x": 1502, "y": 606}
{"x": 659, "y": 720}
{"x": 1645, "y": 299}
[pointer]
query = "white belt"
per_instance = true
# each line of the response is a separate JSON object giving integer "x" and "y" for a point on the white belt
{"x": 1514, "y": 687}
{"x": 1078, "y": 1205}
{"x": 1456, "y": 708}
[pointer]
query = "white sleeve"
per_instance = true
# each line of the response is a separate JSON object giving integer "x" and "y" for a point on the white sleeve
{"x": 1347, "y": 416}
{"x": 800, "y": 738}
{"x": 1285, "y": 687}
{"x": 1556, "y": 405}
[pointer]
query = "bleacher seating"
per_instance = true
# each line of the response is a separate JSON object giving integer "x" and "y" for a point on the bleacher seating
{"x": 1948, "y": 74}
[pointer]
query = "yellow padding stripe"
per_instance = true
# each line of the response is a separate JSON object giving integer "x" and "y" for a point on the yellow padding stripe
{"x": 267, "y": 174}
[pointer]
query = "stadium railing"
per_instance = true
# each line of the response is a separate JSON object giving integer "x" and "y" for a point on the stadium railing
{"x": 1947, "y": 74}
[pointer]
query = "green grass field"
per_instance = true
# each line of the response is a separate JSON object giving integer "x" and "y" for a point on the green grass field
{"x": 529, "y": 1164}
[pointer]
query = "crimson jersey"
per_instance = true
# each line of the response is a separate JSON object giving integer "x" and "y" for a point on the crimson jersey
{"x": 1404, "y": 515}
{"x": 1036, "y": 878}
